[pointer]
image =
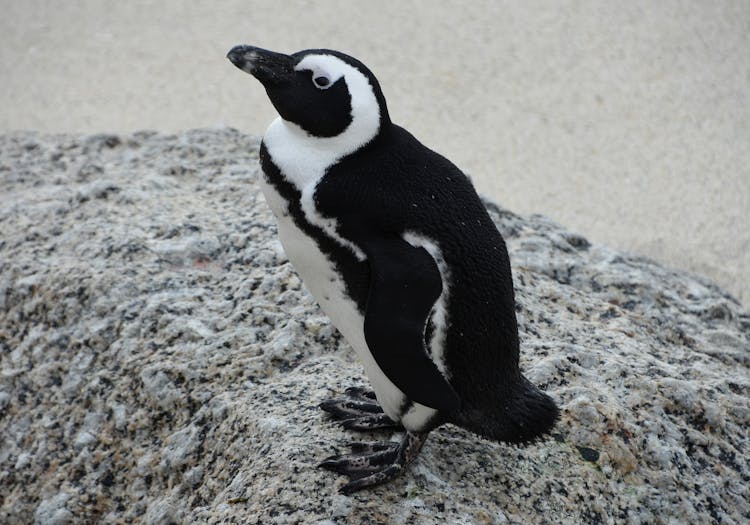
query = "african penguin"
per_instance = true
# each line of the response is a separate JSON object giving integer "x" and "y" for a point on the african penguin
{"x": 395, "y": 245}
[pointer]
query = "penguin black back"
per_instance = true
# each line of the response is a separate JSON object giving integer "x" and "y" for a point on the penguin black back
{"x": 437, "y": 201}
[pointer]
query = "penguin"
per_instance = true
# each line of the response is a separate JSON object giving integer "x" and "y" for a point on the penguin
{"x": 395, "y": 245}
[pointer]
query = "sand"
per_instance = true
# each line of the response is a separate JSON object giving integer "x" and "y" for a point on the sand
{"x": 628, "y": 122}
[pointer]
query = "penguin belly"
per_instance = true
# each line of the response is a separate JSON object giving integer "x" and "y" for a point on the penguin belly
{"x": 326, "y": 285}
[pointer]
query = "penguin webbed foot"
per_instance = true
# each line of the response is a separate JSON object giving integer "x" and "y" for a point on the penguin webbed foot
{"x": 358, "y": 410}
{"x": 374, "y": 463}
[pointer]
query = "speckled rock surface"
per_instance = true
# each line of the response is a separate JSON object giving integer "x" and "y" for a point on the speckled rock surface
{"x": 160, "y": 362}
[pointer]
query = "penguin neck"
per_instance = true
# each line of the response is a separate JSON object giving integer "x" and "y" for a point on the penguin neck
{"x": 304, "y": 158}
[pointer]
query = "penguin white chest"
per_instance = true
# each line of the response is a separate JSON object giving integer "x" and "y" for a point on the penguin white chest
{"x": 303, "y": 167}
{"x": 326, "y": 285}
{"x": 316, "y": 269}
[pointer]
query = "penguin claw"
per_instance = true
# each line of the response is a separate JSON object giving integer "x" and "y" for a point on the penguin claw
{"x": 377, "y": 478}
{"x": 358, "y": 410}
{"x": 358, "y": 391}
{"x": 356, "y": 466}
{"x": 343, "y": 406}
{"x": 373, "y": 463}
{"x": 369, "y": 447}
{"x": 370, "y": 423}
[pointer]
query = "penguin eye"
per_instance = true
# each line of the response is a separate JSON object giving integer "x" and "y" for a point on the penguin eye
{"x": 321, "y": 81}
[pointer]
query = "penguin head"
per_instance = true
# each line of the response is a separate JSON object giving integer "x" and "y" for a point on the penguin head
{"x": 324, "y": 92}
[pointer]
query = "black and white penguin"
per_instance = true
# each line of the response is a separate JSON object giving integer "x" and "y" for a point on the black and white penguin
{"x": 393, "y": 242}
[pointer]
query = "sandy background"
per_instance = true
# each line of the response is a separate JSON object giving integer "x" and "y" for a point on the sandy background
{"x": 626, "y": 121}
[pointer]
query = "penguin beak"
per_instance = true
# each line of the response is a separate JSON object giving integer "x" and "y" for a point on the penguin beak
{"x": 268, "y": 67}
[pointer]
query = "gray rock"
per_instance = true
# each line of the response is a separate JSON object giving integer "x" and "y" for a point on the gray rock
{"x": 53, "y": 512}
{"x": 4, "y": 400}
{"x": 161, "y": 362}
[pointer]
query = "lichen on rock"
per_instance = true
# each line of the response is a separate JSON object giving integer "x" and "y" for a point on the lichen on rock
{"x": 161, "y": 362}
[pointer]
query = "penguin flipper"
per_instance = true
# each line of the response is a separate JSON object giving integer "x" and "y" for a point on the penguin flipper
{"x": 404, "y": 284}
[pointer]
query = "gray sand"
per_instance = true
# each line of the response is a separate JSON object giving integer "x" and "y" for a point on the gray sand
{"x": 627, "y": 121}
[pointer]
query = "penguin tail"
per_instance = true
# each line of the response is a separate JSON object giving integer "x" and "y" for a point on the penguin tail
{"x": 521, "y": 415}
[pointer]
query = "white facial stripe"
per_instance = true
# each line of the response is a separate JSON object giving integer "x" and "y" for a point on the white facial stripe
{"x": 365, "y": 108}
{"x": 319, "y": 69}
{"x": 322, "y": 65}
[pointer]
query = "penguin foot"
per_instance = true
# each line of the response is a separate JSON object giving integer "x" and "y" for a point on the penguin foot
{"x": 374, "y": 463}
{"x": 358, "y": 410}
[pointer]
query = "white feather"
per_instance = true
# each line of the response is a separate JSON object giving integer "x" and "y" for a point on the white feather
{"x": 439, "y": 313}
